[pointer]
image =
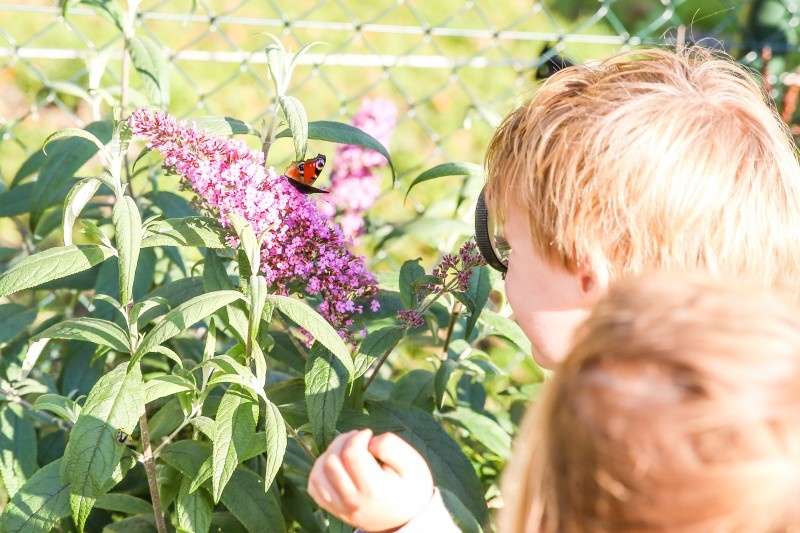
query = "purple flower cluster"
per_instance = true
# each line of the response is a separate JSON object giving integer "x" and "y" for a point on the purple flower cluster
{"x": 453, "y": 273}
{"x": 354, "y": 185}
{"x": 302, "y": 249}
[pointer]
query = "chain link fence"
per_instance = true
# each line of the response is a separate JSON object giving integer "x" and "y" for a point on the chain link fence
{"x": 452, "y": 67}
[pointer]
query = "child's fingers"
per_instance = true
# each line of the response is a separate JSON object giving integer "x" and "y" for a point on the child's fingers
{"x": 364, "y": 470}
{"x": 400, "y": 456}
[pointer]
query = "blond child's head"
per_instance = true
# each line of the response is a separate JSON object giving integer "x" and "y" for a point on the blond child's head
{"x": 652, "y": 159}
{"x": 677, "y": 410}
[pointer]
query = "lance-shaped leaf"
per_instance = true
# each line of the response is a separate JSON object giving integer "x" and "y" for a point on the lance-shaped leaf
{"x": 193, "y": 510}
{"x": 507, "y": 328}
{"x": 410, "y": 272}
{"x": 123, "y": 503}
{"x": 326, "y": 386}
{"x": 52, "y": 264}
{"x": 480, "y": 285}
{"x": 60, "y": 406}
{"x": 106, "y": 8}
{"x": 305, "y": 317}
{"x": 39, "y": 505}
{"x": 65, "y": 157}
{"x": 235, "y": 424}
{"x": 14, "y": 320}
{"x": 377, "y": 344}
{"x": 128, "y": 225}
{"x": 297, "y": 120}
{"x": 224, "y": 126}
{"x": 257, "y": 510}
{"x": 483, "y": 429}
{"x": 183, "y": 317}
{"x": 148, "y": 60}
{"x": 470, "y": 170}
{"x": 338, "y": 132}
{"x": 17, "y": 447}
{"x": 450, "y": 467}
{"x": 100, "y": 332}
{"x": 92, "y": 454}
{"x": 278, "y": 65}
{"x": 430, "y": 230}
{"x": 276, "y": 442}
{"x": 188, "y": 231}
{"x": 77, "y": 199}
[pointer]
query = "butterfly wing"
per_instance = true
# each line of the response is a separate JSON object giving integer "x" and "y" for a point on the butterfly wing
{"x": 301, "y": 174}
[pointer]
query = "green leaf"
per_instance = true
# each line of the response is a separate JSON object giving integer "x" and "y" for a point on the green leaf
{"x": 100, "y": 332}
{"x": 480, "y": 285}
{"x": 61, "y": 406}
{"x": 258, "y": 511}
{"x": 76, "y": 200}
{"x": 326, "y": 387}
{"x": 17, "y": 447}
{"x": 16, "y": 201}
{"x": 430, "y": 230}
{"x": 148, "y": 60}
{"x": 64, "y": 158}
{"x": 52, "y": 264}
{"x": 441, "y": 379}
{"x": 297, "y": 119}
{"x": 188, "y": 231}
{"x": 39, "y": 505}
{"x": 161, "y": 386}
{"x": 92, "y": 454}
{"x": 470, "y": 170}
{"x": 277, "y": 65}
{"x": 376, "y": 345}
{"x": 128, "y": 225}
{"x": 483, "y": 429}
{"x": 193, "y": 510}
{"x": 224, "y": 126}
{"x": 415, "y": 388}
{"x": 505, "y": 327}
{"x": 338, "y": 132}
{"x": 235, "y": 424}
{"x": 123, "y": 503}
{"x": 74, "y": 132}
{"x": 276, "y": 441}
{"x": 30, "y": 166}
{"x": 450, "y": 467}
{"x": 247, "y": 244}
{"x": 14, "y": 320}
{"x": 410, "y": 272}
{"x": 305, "y": 317}
{"x": 183, "y": 317}
{"x": 460, "y": 513}
{"x": 106, "y": 8}
{"x": 133, "y": 524}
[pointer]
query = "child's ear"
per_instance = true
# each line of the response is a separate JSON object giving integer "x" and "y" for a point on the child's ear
{"x": 593, "y": 275}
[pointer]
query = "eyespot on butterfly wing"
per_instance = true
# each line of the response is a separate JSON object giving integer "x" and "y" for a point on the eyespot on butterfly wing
{"x": 301, "y": 174}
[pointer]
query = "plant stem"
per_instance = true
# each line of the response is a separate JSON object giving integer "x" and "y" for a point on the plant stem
{"x": 11, "y": 397}
{"x": 454, "y": 314}
{"x": 150, "y": 470}
{"x": 267, "y": 143}
{"x": 302, "y": 444}
{"x": 379, "y": 365}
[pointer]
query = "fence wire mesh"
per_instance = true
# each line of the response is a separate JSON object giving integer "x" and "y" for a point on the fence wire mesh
{"x": 452, "y": 67}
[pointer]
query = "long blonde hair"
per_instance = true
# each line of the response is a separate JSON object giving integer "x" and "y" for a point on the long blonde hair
{"x": 677, "y": 410}
{"x": 653, "y": 159}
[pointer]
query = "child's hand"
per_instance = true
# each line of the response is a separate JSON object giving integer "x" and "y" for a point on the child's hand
{"x": 349, "y": 482}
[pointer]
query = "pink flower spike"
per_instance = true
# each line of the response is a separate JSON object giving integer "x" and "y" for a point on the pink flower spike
{"x": 303, "y": 250}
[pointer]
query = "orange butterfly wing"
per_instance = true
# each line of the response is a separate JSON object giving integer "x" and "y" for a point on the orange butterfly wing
{"x": 302, "y": 174}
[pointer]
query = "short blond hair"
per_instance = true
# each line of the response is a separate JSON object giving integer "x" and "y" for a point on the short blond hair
{"x": 653, "y": 159}
{"x": 677, "y": 410}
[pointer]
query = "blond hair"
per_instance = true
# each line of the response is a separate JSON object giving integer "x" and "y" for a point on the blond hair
{"x": 653, "y": 159}
{"x": 677, "y": 410}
